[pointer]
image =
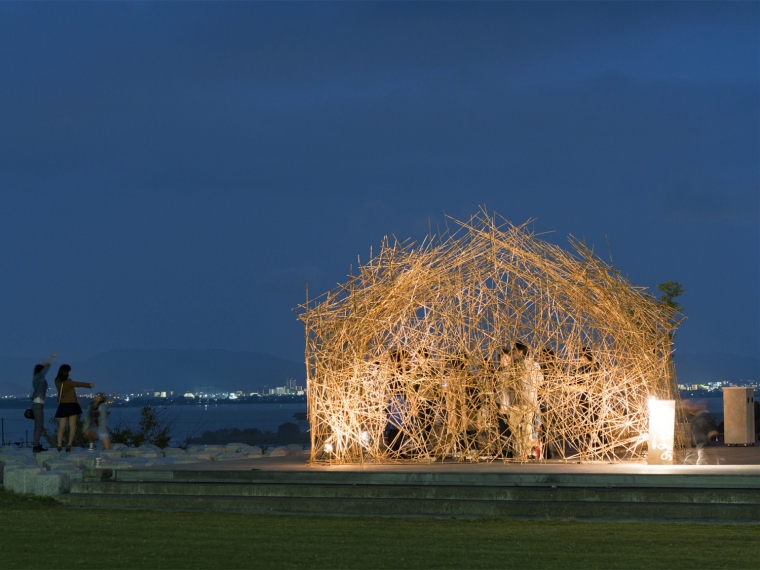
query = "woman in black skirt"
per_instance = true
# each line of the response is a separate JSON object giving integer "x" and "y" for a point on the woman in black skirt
{"x": 68, "y": 407}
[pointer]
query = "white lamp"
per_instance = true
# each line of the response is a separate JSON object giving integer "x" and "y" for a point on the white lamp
{"x": 662, "y": 422}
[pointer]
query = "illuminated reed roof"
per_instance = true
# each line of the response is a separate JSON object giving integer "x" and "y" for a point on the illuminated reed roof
{"x": 411, "y": 346}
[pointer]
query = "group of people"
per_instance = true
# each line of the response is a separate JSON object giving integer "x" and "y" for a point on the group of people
{"x": 519, "y": 379}
{"x": 493, "y": 407}
{"x": 95, "y": 423}
{"x": 500, "y": 411}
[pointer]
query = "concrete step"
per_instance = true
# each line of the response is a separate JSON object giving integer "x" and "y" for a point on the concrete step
{"x": 675, "y": 480}
{"x": 420, "y": 507}
{"x": 676, "y": 495}
{"x": 423, "y": 492}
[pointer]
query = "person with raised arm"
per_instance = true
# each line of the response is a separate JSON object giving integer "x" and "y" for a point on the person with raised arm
{"x": 39, "y": 391}
{"x": 68, "y": 406}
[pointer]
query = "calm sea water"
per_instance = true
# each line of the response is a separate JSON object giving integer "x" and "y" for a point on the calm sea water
{"x": 193, "y": 420}
{"x": 714, "y": 405}
{"x": 188, "y": 421}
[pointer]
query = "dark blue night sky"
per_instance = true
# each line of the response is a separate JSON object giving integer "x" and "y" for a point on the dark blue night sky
{"x": 172, "y": 174}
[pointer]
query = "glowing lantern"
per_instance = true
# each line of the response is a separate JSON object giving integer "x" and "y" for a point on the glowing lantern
{"x": 662, "y": 421}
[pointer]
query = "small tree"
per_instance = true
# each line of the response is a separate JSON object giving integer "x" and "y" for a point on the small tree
{"x": 153, "y": 429}
{"x": 288, "y": 432}
{"x": 670, "y": 290}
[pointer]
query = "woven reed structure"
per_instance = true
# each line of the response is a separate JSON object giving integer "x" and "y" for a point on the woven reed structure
{"x": 487, "y": 343}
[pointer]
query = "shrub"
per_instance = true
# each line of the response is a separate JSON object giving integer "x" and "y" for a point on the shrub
{"x": 153, "y": 428}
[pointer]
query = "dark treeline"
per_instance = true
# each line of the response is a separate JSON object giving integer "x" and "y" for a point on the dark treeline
{"x": 286, "y": 434}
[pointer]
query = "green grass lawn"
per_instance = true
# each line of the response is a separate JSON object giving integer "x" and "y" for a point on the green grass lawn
{"x": 40, "y": 533}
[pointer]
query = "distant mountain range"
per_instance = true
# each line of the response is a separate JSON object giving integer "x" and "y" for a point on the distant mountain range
{"x": 126, "y": 371}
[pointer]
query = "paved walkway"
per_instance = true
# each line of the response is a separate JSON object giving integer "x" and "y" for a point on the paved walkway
{"x": 721, "y": 460}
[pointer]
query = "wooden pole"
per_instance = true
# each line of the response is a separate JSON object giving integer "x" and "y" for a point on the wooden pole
{"x": 486, "y": 344}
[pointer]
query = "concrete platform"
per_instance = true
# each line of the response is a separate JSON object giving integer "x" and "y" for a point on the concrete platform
{"x": 722, "y": 492}
{"x": 718, "y": 458}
